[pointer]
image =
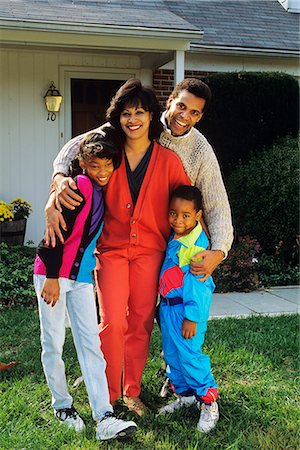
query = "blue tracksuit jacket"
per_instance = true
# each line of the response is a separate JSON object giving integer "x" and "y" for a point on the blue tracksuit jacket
{"x": 189, "y": 369}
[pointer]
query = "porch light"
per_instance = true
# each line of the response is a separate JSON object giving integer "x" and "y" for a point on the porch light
{"x": 52, "y": 101}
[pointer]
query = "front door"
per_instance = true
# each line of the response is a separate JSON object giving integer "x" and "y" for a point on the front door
{"x": 90, "y": 100}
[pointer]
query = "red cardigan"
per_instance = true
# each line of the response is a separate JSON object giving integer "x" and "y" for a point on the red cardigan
{"x": 147, "y": 224}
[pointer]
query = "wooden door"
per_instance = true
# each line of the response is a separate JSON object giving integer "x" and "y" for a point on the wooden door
{"x": 90, "y": 100}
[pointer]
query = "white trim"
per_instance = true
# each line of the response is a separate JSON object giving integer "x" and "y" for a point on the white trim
{"x": 291, "y": 6}
{"x": 105, "y": 41}
{"x": 94, "y": 28}
{"x": 222, "y": 49}
{"x": 65, "y": 75}
{"x": 179, "y": 66}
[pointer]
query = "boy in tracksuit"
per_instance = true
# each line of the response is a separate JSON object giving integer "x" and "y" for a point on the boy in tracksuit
{"x": 184, "y": 311}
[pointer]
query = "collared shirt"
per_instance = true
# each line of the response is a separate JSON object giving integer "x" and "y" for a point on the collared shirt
{"x": 163, "y": 120}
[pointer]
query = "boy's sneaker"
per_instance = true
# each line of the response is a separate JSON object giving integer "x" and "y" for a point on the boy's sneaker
{"x": 112, "y": 428}
{"x": 180, "y": 402}
{"x": 166, "y": 390}
{"x": 71, "y": 418}
{"x": 209, "y": 417}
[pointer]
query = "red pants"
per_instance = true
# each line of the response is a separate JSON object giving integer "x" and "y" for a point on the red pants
{"x": 127, "y": 282}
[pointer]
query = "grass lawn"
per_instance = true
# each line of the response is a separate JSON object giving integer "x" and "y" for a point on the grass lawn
{"x": 254, "y": 360}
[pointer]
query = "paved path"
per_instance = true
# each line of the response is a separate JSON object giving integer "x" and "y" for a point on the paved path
{"x": 271, "y": 301}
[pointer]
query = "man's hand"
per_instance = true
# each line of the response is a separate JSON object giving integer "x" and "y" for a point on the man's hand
{"x": 65, "y": 195}
{"x": 188, "y": 329}
{"x": 54, "y": 222}
{"x": 51, "y": 290}
{"x": 210, "y": 261}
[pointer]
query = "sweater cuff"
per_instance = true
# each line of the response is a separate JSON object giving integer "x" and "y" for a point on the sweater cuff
{"x": 60, "y": 168}
{"x": 221, "y": 249}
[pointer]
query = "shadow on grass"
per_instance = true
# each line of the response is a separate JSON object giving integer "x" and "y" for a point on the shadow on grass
{"x": 254, "y": 361}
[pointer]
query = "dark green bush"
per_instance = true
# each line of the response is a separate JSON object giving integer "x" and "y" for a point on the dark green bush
{"x": 238, "y": 272}
{"x": 264, "y": 195}
{"x": 16, "y": 269}
{"x": 247, "y": 269}
{"x": 249, "y": 111}
{"x": 272, "y": 271}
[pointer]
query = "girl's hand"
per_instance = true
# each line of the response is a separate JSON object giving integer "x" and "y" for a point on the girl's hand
{"x": 189, "y": 329}
{"x": 51, "y": 291}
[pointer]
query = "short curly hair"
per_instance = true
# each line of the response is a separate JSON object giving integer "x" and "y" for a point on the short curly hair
{"x": 195, "y": 87}
{"x": 190, "y": 193}
{"x": 100, "y": 145}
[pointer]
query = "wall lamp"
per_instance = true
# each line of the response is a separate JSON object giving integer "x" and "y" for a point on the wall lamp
{"x": 53, "y": 100}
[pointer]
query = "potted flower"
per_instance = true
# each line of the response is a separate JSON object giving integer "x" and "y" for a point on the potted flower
{"x": 13, "y": 217}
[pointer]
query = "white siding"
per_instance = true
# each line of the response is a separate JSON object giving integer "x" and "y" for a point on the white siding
{"x": 235, "y": 63}
{"x": 29, "y": 142}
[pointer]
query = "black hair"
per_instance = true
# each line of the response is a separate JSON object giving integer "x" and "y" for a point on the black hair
{"x": 133, "y": 93}
{"x": 195, "y": 87}
{"x": 190, "y": 193}
{"x": 101, "y": 145}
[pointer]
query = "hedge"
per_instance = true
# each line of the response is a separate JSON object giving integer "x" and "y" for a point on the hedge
{"x": 249, "y": 111}
{"x": 264, "y": 195}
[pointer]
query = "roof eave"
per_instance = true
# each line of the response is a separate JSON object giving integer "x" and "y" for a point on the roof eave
{"x": 249, "y": 51}
{"x": 96, "y": 29}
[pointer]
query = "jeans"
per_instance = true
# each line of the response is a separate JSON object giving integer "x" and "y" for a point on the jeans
{"x": 79, "y": 300}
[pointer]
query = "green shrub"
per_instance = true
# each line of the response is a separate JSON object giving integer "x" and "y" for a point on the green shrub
{"x": 16, "y": 269}
{"x": 264, "y": 195}
{"x": 275, "y": 272}
{"x": 249, "y": 111}
{"x": 239, "y": 270}
{"x": 247, "y": 269}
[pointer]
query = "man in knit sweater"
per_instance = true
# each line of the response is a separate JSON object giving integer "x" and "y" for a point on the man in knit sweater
{"x": 185, "y": 107}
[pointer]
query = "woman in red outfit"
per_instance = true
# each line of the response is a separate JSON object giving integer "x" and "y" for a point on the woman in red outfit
{"x": 132, "y": 245}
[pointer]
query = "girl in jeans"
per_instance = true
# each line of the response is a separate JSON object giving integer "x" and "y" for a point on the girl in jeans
{"x": 63, "y": 280}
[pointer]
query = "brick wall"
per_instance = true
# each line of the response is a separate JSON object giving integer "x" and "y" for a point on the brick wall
{"x": 163, "y": 82}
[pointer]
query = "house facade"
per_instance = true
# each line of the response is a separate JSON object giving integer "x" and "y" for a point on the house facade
{"x": 89, "y": 48}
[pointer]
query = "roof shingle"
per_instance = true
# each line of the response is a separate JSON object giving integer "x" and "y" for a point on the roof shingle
{"x": 258, "y": 24}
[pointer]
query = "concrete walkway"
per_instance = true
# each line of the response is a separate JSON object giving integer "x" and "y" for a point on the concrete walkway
{"x": 271, "y": 301}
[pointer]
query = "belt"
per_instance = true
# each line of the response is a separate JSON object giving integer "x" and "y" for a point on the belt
{"x": 172, "y": 301}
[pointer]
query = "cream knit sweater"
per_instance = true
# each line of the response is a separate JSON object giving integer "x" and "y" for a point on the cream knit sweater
{"x": 202, "y": 168}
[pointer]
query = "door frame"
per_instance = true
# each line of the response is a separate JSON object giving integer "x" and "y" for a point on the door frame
{"x": 66, "y": 73}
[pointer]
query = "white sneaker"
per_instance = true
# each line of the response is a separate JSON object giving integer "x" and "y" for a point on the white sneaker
{"x": 180, "y": 402}
{"x": 166, "y": 390}
{"x": 209, "y": 417}
{"x": 112, "y": 428}
{"x": 71, "y": 418}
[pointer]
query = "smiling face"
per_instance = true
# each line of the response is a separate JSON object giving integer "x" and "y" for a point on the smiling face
{"x": 183, "y": 216}
{"x": 183, "y": 112}
{"x": 135, "y": 122}
{"x": 98, "y": 169}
